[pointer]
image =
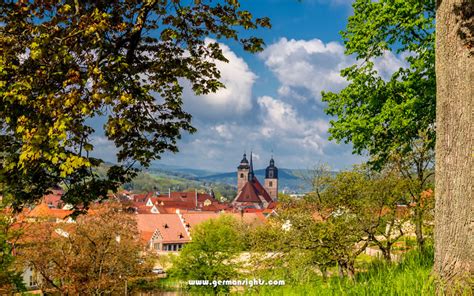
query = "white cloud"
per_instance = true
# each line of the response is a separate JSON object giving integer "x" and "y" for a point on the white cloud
{"x": 315, "y": 66}
{"x": 310, "y": 64}
{"x": 234, "y": 99}
{"x": 388, "y": 63}
{"x": 281, "y": 121}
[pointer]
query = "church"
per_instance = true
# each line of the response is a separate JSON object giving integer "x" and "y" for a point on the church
{"x": 250, "y": 192}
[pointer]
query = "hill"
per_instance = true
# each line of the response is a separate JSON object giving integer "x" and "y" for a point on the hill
{"x": 289, "y": 180}
{"x": 167, "y": 177}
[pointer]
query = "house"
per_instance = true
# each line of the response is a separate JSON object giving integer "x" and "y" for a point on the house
{"x": 163, "y": 232}
{"x": 168, "y": 203}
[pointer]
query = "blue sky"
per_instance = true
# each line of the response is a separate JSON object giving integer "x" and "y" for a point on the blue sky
{"x": 272, "y": 100}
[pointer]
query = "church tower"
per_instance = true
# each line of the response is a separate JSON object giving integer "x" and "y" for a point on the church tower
{"x": 271, "y": 180}
{"x": 242, "y": 173}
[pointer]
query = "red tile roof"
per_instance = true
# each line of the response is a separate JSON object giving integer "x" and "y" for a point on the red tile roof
{"x": 248, "y": 194}
{"x": 262, "y": 190}
{"x": 193, "y": 219}
{"x": 250, "y": 218}
{"x": 169, "y": 226}
{"x": 43, "y": 211}
{"x": 253, "y": 192}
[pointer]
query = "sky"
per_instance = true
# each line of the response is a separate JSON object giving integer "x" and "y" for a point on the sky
{"x": 272, "y": 101}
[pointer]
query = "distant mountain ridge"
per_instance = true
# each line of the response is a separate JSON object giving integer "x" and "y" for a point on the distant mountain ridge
{"x": 289, "y": 179}
{"x": 282, "y": 173}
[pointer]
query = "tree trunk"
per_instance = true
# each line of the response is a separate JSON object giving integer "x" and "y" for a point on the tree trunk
{"x": 324, "y": 272}
{"x": 454, "y": 146}
{"x": 386, "y": 254}
{"x": 350, "y": 270}
{"x": 420, "y": 240}
{"x": 340, "y": 268}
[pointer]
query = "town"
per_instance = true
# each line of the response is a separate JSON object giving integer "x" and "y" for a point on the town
{"x": 164, "y": 221}
{"x": 236, "y": 147}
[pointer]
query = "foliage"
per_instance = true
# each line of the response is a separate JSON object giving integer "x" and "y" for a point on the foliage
{"x": 409, "y": 277}
{"x": 66, "y": 62}
{"x": 10, "y": 278}
{"x": 95, "y": 255}
{"x": 211, "y": 255}
{"x": 392, "y": 118}
{"x": 385, "y": 116}
{"x": 333, "y": 225}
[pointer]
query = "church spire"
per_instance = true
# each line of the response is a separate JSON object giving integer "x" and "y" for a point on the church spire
{"x": 251, "y": 174}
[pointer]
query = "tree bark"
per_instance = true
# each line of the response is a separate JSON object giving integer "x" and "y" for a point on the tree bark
{"x": 454, "y": 148}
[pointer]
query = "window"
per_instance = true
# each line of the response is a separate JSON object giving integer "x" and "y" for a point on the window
{"x": 241, "y": 175}
{"x": 270, "y": 174}
{"x": 270, "y": 184}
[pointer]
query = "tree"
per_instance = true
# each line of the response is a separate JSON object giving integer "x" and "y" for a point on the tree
{"x": 10, "y": 278}
{"x": 290, "y": 245}
{"x": 211, "y": 255}
{"x": 94, "y": 256}
{"x": 66, "y": 62}
{"x": 454, "y": 238}
{"x": 385, "y": 210}
{"x": 389, "y": 117}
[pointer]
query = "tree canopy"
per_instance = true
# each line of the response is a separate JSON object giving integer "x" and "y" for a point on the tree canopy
{"x": 64, "y": 63}
{"x": 390, "y": 118}
{"x": 212, "y": 254}
{"x": 387, "y": 115}
{"x": 93, "y": 256}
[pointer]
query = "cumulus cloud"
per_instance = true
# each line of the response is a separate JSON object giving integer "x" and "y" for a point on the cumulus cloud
{"x": 281, "y": 121}
{"x": 234, "y": 99}
{"x": 315, "y": 66}
{"x": 311, "y": 64}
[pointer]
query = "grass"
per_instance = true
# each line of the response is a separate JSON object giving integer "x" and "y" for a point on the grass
{"x": 411, "y": 276}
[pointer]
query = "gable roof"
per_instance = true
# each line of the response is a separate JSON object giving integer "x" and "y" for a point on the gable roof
{"x": 169, "y": 227}
{"x": 248, "y": 194}
{"x": 261, "y": 190}
{"x": 253, "y": 192}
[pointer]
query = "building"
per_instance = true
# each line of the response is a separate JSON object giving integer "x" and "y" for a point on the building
{"x": 150, "y": 203}
{"x": 164, "y": 233}
{"x": 250, "y": 192}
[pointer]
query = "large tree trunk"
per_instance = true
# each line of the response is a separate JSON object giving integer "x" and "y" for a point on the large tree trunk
{"x": 454, "y": 216}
